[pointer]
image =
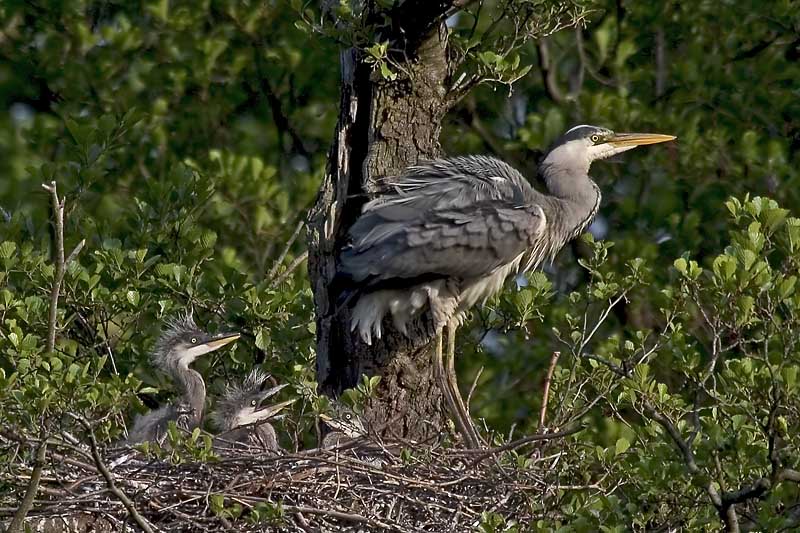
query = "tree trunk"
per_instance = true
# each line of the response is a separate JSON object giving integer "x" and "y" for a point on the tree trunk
{"x": 383, "y": 127}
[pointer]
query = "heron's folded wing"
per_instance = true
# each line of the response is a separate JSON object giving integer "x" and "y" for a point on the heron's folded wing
{"x": 460, "y": 243}
{"x": 454, "y": 183}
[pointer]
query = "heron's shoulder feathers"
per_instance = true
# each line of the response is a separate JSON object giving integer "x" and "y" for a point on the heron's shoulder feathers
{"x": 453, "y": 182}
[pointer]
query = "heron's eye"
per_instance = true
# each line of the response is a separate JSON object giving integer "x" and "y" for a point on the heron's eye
{"x": 253, "y": 403}
{"x": 595, "y": 138}
{"x": 348, "y": 416}
{"x": 194, "y": 340}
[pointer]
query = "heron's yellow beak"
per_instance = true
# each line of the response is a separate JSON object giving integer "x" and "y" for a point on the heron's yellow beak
{"x": 638, "y": 139}
{"x": 265, "y": 413}
{"x": 222, "y": 340}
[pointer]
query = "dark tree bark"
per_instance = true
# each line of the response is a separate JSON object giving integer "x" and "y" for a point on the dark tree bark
{"x": 383, "y": 127}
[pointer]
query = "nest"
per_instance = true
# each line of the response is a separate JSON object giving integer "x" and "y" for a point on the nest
{"x": 360, "y": 486}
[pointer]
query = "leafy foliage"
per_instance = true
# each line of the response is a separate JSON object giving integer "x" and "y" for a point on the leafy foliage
{"x": 190, "y": 138}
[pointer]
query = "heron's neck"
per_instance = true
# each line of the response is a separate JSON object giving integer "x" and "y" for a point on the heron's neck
{"x": 194, "y": 390}
{"x": 574, "y": 200}
{"x": 266, "y": 434}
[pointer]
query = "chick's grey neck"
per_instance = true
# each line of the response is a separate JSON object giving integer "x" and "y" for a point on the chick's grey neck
{"x": 194, "y": 389}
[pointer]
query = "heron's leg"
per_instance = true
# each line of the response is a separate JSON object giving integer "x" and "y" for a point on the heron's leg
{"x": 473, "y": 439}
{"x": 444, "y": 386}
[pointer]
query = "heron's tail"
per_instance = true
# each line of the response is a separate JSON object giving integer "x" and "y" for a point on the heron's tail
{"x": 342, "y": 291}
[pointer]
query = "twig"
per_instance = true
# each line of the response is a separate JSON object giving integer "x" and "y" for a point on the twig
{"x": 546, "y": 392}
{"x": 482, "y": 454}
{"x": 548, "y": 72}
{"x": 725, "y": 503}
{"x": 787, "y": 474}
{"x": 675, "y": 435}
{"x": 472, "y": 388}
{"x": 661, "y": 62}
{"x": 33, "y": 487}
{"x": 58, "y": 259}
{"x": 349, "y": 517}
{"x": 279, "y": 261}
{"x": 139, "y": 519}
{"x": 60, "y": 264}
{"x": 291, "y": 268}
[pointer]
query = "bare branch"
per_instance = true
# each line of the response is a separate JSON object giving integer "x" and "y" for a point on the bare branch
{"x": 52, "y": 326}
{"x": 787, "y": 474}
{"x": 472, "y": 388}
{"x": 513, "y": 445}
{"x": 546, "y": 393}
{"x": 112, "y": 487}
{"x": 33, "y": 487}
{"x": 279, "y": 261}
{"x": 669, "y": 427}
{"x": 58, "y": 259}
{"x": 291, "y": 268}
{"x": 548, "y": 71}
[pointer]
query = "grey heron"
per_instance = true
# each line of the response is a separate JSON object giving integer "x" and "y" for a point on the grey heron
{"x": 446, "y": 233}
{"x": 346, "y": 424}
{"x": 242, "y": 415}
{"x": 180, "y": 344}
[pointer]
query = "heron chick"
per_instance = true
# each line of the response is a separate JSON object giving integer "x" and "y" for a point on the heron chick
{"x": 243, "y": 417}
{"x": 180, "y": 344}
{"x": 347, "y": 425}
{"x": 447, "y": 233}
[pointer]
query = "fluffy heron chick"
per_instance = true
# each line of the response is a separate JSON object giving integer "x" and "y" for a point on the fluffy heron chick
{"x": 347, "y": 425}
{"x": 180, "y": 344}
{"x": 242, "y": 415}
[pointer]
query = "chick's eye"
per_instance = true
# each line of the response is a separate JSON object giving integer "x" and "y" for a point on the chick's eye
{"x": 595, "y": 138}
{"x": 348, "y": 416}
{"x": 194, "y": 340}
{"x": 253, "y": 403}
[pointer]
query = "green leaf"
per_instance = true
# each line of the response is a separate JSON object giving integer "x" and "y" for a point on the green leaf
{"x": 160, "y": 9}
{"x": 217, "y": 503}
{"x": 263, "y": 340}
{"x": 621, "y": 446}
{"x": 7, "y": 249}
{"x": 386, "y": 72}
{"x": 72, "y": 372}
{"x": 132, "y": 297}
{"x": 373, "y": 382}
{"x": 790, "y": 376}
{"x": 79, "y": 133}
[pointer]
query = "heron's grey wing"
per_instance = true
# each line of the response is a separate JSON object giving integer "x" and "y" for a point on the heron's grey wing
{"x": 454, "y": 183}
{"x": 397, "y": 242}
{"x": 152, "y": 426}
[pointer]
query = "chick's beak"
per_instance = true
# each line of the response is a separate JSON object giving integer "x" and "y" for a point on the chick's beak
{"x": 218, "y": 341}
{"x": 267, "y": 412}
{"x": 638, "y": 139}
{"x": 269, "y": 393}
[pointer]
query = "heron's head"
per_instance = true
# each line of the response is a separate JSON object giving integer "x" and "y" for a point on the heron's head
{"x": 182, "y": 341}
{"x": 576, "y": 149}
{"x": 245, "y": 403}
{"x": 343, "y": 418}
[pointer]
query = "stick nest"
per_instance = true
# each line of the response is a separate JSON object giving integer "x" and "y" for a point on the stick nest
{"x": 359, "y": 486}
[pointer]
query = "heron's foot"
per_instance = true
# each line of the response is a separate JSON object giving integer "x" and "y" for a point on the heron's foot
{"x": 470, "y": 433}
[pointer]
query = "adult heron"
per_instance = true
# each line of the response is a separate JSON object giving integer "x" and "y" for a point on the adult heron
{"x": 242, "y": 415}
{"x": 446, "y": 233}
{"x": 180, "y": 344}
